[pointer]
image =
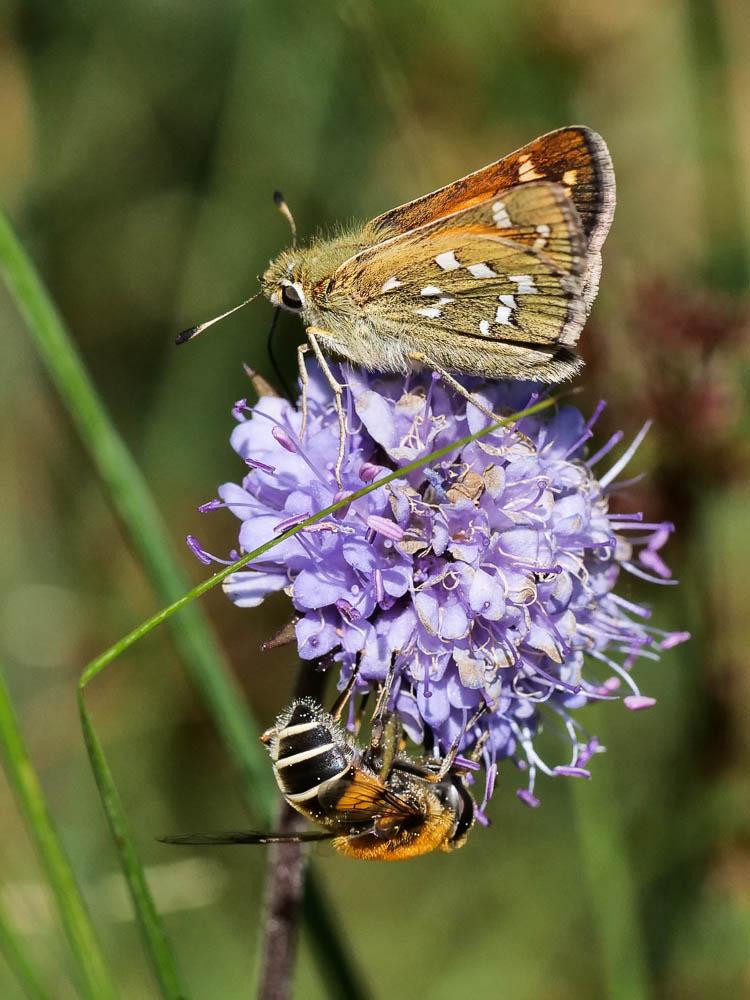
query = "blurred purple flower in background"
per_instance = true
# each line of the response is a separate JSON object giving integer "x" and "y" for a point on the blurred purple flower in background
{"x": 488, "y": 576}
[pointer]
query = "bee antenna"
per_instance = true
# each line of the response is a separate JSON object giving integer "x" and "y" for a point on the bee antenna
{"x": 280, "y": 202}
{"x": 193, "y": 331}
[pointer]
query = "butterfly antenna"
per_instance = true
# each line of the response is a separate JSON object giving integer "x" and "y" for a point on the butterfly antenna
{"x": 282, "y": 206}
{"x": 193, "y": 331}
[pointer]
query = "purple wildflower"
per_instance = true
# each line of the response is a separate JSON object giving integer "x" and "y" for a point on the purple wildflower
{"x": 487, "y": 577}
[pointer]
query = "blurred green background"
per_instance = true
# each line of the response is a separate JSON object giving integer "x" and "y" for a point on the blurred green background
{"x": 139, "y": 146}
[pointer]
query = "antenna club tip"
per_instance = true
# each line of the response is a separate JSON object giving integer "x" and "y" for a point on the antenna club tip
{"x": 278, "y": 199}
{"x": 185, "y": 335}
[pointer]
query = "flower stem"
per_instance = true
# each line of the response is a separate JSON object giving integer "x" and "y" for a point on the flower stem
{"x": 285, "y": 887}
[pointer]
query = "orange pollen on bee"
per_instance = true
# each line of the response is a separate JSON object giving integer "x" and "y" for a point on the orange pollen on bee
{"x": 433, "y": 834}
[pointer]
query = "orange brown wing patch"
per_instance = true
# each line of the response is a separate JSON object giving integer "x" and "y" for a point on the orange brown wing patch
{"x": 575, "y": 158}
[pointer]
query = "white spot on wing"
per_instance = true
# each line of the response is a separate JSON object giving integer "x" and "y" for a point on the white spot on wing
{"x": 431, "y": 313}
{"x": 541, "y": 241}
{"x": 502, "y": 315}
{"x": 526, "y": 171}
{"x": 390, "y": 284}
{"x": 431, "y": 290}
{"x": 507, "y": 300}
{"x": 481, "y": 271}
{"x": 525, "y": 284}
{"x": 484, "y": 327}
{"x": 500, "y": 216}
{"x": 445, "y": 300}
{"x": 447, "y": 261}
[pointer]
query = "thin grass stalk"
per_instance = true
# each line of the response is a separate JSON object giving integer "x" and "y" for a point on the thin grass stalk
{"x": 93, "y": 972}
{"x": 155, "y": 938}
{"x": 18, "y": 961}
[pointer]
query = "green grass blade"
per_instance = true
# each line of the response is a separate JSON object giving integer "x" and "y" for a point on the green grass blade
{"x": 18, "y": 962}
{"x": 93, "y": 972}
{"x": 152, "y": 928}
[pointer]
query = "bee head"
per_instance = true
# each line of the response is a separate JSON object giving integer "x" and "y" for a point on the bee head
{"x": 282, "y": 283}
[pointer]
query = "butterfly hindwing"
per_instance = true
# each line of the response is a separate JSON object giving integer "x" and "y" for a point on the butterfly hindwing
{"x": 508, "y": 269}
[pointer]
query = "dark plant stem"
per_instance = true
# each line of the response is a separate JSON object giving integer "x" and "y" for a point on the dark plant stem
{"x": 285, "y": 887}
{"x": 285, "y": 879}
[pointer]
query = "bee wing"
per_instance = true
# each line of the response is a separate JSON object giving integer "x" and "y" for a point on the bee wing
{"x": 574, "y": 157}
{"x": 246, "y": 837}
{"x": 364, "y": 798}
{"x": 510, "y": 270}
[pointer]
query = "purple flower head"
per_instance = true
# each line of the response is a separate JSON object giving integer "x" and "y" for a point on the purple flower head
{"x": 485, "y": 578}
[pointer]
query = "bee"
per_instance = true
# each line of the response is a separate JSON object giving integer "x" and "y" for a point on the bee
{"x": 493, "y": 275}
{"x": 373, "y": 803}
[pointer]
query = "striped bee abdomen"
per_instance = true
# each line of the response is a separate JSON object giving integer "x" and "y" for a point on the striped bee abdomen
{"x": 307, "y": 750}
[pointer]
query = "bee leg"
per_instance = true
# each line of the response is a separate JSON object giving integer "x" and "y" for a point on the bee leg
{"x": 344, "y": 696}
{"x": 449, "y": 760}
{"x": 385, "y": 731}
{"x": 338, "y": 391}
{"x": 388, "y": 746}
{"x": 476, "y": 753}
{"x": 456, "y": 385}
{"x": 381, "y": 706}
{"x": 360, "y": 713}
{"x": 303, "y": 380}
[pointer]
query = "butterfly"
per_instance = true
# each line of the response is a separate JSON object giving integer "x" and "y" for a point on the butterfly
{"x": 493, "y": 275}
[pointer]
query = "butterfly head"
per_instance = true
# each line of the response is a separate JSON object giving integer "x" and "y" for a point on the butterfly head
{"x": 284, "y": 284}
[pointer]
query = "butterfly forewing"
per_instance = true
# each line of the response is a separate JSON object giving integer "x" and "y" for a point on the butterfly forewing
{"x": 576, "y": 158}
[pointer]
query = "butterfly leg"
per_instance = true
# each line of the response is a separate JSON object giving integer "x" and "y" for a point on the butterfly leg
{"x": 303, "y": 380}
{"x": 338, "y": 391}
{"x": 456, "y": 385}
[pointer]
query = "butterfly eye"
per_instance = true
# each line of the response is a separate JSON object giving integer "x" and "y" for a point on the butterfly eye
{"x": 291, "y": 297}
